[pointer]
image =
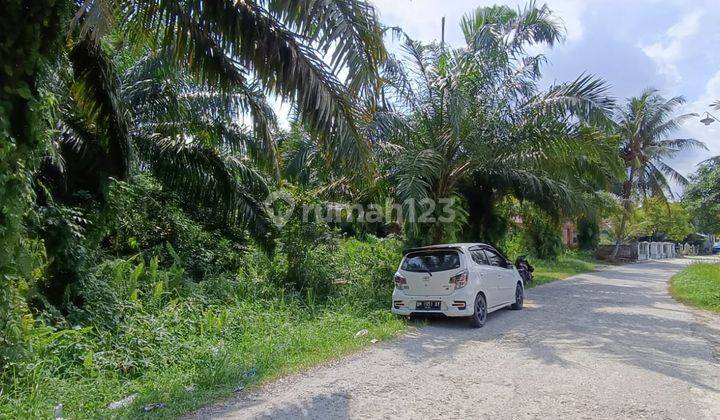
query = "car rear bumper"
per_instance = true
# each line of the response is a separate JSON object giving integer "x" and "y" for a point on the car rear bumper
{"x": 403, "y": 304}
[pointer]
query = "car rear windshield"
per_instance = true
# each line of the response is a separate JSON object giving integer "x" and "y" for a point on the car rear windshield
{"x": 431, "y": 261}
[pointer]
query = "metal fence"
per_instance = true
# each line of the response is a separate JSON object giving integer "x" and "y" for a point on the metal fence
{"x": 641, "y": 251}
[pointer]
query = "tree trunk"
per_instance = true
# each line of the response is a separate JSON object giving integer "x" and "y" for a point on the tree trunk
{"x": 627, "y": 206}
{"x": 623, "y": 222}
{"x": 483, "y": 223}
{"x": 31, "y": 35}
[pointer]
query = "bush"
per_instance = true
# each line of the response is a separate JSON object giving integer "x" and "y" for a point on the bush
{"x": 543, "y": 234}
{"x": 142, "y": 217}
{"x": 588, "y": 233}
{"x": 318, "y": 263}
{"x": 537, "y": 235}
{"x": 308, "y": 252}
{"x": 514, "y": 244}
{"x": 368, "y": 268}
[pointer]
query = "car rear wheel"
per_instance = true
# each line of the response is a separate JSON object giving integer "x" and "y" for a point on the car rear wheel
{"x": 478, "y": 318}
{"x": 519, "y": 298}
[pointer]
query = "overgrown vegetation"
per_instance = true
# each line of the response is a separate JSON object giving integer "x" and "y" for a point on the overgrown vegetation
{"x": 173, "y": 304}
{"x": 139, "y": 252}
{"x": 698, "y": 285}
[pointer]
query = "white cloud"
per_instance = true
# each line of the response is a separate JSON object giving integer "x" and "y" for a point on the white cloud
{"x": 571, "y": 13}
{"x": 421, "y": 18}
{"x": 709, "y": 134}
{"x": 686, "y": 163}
{"x": 669, "y": 51}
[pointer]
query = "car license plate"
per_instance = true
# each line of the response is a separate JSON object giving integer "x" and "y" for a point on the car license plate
{"x": 427, "y": 305}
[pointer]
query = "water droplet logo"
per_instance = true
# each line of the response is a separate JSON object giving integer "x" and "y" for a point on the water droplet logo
{"x": 279, "y": 206}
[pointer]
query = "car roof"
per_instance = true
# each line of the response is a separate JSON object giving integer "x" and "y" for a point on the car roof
{"x": 459, "y": 246}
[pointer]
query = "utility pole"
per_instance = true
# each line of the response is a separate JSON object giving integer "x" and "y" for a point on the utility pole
{"x": 442, "y": 33}
{"x": 442, "y": 49}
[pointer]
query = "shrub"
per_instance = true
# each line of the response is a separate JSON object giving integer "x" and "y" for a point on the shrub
{"x": 368, "y": 267}
{"x": 142, "y": 217}
{"x": 160, "y": 292}
{"x": 543, "y": 234}
{"x": 514, "y": 244}
{"x": 308, "y": 253}
{"x": 588, "y": 233}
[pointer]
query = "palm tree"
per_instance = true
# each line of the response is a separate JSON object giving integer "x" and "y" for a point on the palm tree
{"x": 644, "y": 124}
{"x": 472, "y": 124}
{"x": 165, "y": 114}
{"x": 162, "y": 86}
{"x": 187, "y": 135}
{"x": 273, "y": 45}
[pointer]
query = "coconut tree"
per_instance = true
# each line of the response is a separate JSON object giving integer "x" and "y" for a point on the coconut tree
{"x": 471, "y": 124}
{"x": 645, "y": 124}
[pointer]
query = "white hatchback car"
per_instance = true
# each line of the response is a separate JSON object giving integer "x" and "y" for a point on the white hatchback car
{"x": 457, "y": 280}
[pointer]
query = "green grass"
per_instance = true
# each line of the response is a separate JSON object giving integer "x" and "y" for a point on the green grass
{"x": 266, "y": 343}
{"x": 564, "y": 266}
{"x": 698, "y": 285}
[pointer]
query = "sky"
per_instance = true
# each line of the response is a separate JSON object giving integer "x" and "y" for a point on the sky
{"x": 668, "y": 45}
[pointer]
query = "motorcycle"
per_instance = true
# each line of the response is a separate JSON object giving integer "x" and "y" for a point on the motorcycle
{"x": 524, "y": 268}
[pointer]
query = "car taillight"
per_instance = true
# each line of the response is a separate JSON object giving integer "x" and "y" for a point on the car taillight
{"x": 400, "y": 281}
{"x": 459, "y": 280}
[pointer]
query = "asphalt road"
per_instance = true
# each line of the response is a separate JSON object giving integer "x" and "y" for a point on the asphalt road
{"x": 608, "y": 344}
